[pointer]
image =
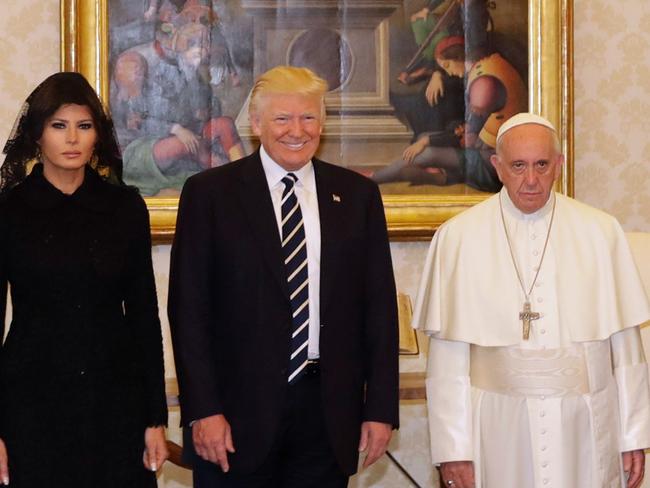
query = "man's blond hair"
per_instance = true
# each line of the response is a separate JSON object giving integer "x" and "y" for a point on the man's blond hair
{"x": 287, "y": 80}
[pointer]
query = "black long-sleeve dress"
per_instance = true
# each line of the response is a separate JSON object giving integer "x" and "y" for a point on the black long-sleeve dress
{"x": 81, "y": 369}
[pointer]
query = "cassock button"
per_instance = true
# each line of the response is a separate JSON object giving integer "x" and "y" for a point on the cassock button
{"x": 533, "y": 236}
{"x": 544, "y": 465}
{"x": 538, "y": 284}
{"x": 543, "y": 431}
{"x": 545, "y": 481}
{"x": 543, "y": 331}
{"x": 540, "y": 300}
{"x": 542, "y": 413}
{"x": 535, "y": 252}
{"x": 543, "y": 448}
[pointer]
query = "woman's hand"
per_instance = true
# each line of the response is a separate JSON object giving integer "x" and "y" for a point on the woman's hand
{"x": 4, "y": 464}
{"x": 435, "y": 88}
{"x": 155, "y": 448}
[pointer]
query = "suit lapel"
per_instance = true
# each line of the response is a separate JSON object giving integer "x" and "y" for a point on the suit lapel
{"x": 256, "y": 201}
{"x": 327, "y": 206}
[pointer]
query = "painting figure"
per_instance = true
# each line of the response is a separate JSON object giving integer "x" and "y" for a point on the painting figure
{"x": 494, "y": 91}
{"x": 173, "y": 14}
{"x": 440, "y": 103}
{"x": 169, "y": 124}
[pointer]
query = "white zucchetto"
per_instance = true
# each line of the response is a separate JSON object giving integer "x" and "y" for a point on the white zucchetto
{"x": 523, "y": 118}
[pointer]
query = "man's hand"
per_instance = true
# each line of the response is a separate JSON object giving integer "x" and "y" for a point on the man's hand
{"x": 155, "y": 448}
{"x": 634, "y": 464}
{"x": 435, "y": 88}
{"x": 4, "y": 464}
{"x": 414, "y": 149}
{"x": 460, "y": 472}
{"x": 187, "y": 137}
{"x": 213, "y": 440}
{"x": 374, "y": 439}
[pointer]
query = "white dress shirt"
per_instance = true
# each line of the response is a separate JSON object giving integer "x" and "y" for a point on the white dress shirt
{"x": 305, "y": 189}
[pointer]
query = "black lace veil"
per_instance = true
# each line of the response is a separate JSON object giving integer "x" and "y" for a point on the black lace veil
{"x": 22, "y": 150}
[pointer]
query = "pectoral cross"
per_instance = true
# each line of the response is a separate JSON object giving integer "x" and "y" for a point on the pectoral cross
{"x": 526, "y": 316}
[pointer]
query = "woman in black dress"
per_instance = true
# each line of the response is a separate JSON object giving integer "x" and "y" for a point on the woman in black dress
{"x": 82, "y": 394}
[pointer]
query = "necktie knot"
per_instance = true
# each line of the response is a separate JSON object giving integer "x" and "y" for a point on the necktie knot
{"x": 289, "y": 180}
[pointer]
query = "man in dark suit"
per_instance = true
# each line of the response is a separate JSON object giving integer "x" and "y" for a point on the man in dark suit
{"x": 282, "y": 306}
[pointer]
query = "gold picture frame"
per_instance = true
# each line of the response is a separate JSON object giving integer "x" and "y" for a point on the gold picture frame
{"x": 84, "y": 48}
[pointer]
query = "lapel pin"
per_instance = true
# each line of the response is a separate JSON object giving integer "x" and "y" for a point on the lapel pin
{"x": 336, "y": 198}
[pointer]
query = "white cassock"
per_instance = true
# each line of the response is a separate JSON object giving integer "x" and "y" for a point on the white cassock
{"x": 558, "y": 409}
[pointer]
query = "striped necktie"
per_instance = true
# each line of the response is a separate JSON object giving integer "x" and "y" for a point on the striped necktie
{"x": 294, "y": 248}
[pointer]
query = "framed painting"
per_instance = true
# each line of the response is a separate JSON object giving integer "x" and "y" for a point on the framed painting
{"x": 417, "y": 88}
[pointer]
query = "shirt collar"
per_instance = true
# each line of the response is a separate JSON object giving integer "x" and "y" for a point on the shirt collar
{"x": 274, "y": 172}
{"x": 512, "y": 211}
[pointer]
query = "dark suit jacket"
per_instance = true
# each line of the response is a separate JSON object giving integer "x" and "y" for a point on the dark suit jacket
{"x": 83, "y": 358}
{"x": 230, "y": 313}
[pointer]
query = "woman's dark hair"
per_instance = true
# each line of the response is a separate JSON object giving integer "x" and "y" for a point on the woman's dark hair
{"x": 57, "y": 90}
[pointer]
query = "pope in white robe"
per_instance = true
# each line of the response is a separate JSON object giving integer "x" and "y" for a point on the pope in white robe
{"x": 568, "y": 406}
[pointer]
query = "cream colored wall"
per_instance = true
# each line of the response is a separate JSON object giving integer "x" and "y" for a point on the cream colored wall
{"x": 612, "y": 108}
{"x": 29, "y": 51}
{"x": 612, "y": 169}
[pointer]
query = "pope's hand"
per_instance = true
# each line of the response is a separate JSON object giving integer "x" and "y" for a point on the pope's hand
{"x": 460, "y": 472}
{"x": 634, "y": 465}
